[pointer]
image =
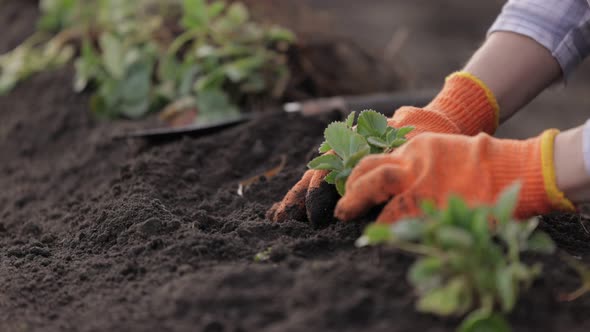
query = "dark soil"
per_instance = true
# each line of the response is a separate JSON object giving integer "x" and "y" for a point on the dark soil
{"x": 103, "y": 235}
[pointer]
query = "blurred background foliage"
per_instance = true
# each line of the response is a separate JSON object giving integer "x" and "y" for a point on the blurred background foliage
{"x": 148, "y": 55}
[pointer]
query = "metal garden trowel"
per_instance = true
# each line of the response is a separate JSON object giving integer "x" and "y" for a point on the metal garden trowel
{"x": 385, "y": 103}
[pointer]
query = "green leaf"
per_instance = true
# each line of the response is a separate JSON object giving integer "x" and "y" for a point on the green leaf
{"x": 278, "y": 34}
{"x": 443, "y": 301}
{"x": 541, "y": 242}
{"x": 457, "y": 212}
{"x": 403, "y": 131}
{"x": 525, "y": 230}
{"x": 506, "y": 203}
{"x": 378, "y": 142}
{"x": 374, "y": 234}
{"x": 113, "y": 56}
{"x": 356, "y": 157}
{"x": 480, "y": 226}
{"x": 187, "y": 79}
{"x": 390, "y": 135}
{"x": 350, "y": 119}
{"x": 169, "y": 68}
{"x": 344, "y": 141}
{"x": 215, "y": 105}
{"x": 56, "y": 14}
{"x": 409, "y": 229}
{"x": 331, "y": 177}
{"x": 340, "y": 185}
{"x": 136, "y": 86}
{"x": 238, "y": 14}
{"x": 426, "y": 274}
{"x": 396, "y": 143}
{"x": 507, "y": 288}
{"x": 479, "y": 321}
{"x": 326, "y": 162}
{"x": 324, "y": 147}
{"x": 194, "y": 14}
{"x": 522, "y": 272}
{"x": 87, "y": 67}
{"x": 211, "y": 81}
{"x": 239, "y": 70}
{"x": 371, "y": 123}
{"x": 135, "y": 109}
{"x": 215, "y": 9}
{"x": 429, "y": 208}
{"x": 454, "y": 237}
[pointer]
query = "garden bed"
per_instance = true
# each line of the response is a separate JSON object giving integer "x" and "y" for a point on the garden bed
{"x": 100, "y": 235}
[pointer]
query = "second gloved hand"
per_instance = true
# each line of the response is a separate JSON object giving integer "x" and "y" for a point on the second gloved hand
{"x": 435, "y": 166}
{"x": 464, "y": 106}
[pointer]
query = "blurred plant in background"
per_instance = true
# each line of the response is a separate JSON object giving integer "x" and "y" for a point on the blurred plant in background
{"x": 146, "y": 55}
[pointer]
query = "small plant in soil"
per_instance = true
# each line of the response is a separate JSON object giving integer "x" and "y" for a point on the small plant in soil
{"x": 345, "y": 144}
{"x": 467, "y": 264}
{"x": 135, "y": 57}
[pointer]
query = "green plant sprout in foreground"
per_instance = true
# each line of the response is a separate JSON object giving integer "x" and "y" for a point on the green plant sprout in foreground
{"x": 350, "y": 144}
{"x": 467, "y": 265}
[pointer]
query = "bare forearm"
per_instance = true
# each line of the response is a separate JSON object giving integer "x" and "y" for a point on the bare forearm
{"x": 515, "y": 68}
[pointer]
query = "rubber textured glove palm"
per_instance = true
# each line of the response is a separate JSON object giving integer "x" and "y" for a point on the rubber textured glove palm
{"x": 435, "y": 166}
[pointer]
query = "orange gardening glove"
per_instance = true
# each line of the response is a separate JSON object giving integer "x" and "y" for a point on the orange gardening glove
{"x": 464, "y": 106}
{"x": 435, "y": 166}
{"x": 311, "y": 199}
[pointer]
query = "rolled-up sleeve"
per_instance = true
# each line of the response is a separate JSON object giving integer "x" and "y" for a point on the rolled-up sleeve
{"x": 561, "y": 26}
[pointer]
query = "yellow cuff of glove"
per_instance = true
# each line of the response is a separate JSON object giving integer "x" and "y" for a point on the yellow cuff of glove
{"x": 556, "y": 196}
{"x": 489, "y": 94}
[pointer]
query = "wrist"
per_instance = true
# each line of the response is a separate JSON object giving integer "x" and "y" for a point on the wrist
{"x": 572, "y": 176}
{"x": 532, "y": 163}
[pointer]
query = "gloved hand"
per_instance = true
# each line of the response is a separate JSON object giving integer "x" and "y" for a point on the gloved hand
{"x": 464, "y": 106}
{"x": 311, "y": 198}
{"x": 434, "y": 166}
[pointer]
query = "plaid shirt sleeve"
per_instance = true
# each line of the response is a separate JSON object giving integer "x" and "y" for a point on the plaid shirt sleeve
{"x": 562, "y": 26}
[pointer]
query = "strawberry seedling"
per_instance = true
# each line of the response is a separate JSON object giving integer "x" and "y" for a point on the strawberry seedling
{"x": 350, "y": 144}
{"x": 467, "y": 265}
